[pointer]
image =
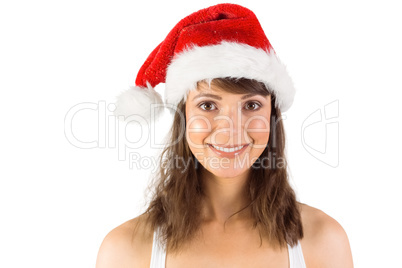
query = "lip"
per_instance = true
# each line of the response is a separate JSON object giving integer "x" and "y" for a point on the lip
{"x": 228, "y": 154}
{"x": 230, "y": 146}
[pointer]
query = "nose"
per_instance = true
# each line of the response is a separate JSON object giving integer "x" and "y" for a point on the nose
{"x": 228, "y": 125}
{"x": 228, "y": 119}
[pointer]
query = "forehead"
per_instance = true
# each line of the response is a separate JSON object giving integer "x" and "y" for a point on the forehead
{"x": 203, "y": 86}
{"x": 225, "y": 89}
{"x": 211, "y": 87}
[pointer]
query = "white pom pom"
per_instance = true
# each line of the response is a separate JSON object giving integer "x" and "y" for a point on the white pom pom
{"x": 140, "y": 102}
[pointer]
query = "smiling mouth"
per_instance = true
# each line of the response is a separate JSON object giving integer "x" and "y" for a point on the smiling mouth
{"x": 228, "y": 149}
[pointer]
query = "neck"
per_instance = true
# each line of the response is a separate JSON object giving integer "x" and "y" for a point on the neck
{"x": 224, "y": 197}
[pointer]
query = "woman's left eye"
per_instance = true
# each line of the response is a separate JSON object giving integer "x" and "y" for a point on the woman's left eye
{"x": 252, "y": 105}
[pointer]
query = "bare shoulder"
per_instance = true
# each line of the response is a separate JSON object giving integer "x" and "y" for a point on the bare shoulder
{"x": 127, "y": 245}
{"x": 325, "y": 243}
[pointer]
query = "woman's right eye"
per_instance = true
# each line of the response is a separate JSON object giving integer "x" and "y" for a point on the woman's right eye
{"x": 207, "y": 106}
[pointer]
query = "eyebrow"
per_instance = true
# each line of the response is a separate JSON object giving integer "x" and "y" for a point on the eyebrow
{"x": 220, "y": 98}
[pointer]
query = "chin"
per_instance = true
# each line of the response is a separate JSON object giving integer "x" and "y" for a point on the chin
{"x": 229, "y": 171}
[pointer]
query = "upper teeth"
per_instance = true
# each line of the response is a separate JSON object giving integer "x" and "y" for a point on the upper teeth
{"x": 228, "y": 150}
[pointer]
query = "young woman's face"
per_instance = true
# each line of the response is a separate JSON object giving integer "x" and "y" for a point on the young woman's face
{"x": 226, "y": 132}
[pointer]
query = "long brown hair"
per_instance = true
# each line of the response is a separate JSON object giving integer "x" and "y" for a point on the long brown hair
{"x": 177, "y": 193}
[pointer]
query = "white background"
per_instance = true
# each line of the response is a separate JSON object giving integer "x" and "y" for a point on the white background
{"x": 58, "y": 201}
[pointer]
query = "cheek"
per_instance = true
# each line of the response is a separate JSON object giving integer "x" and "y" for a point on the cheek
{"x": 197, "y": 130}
{"x": 259, "y": 130}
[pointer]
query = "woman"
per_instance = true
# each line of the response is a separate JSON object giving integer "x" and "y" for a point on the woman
{"x": 222, "y": 197}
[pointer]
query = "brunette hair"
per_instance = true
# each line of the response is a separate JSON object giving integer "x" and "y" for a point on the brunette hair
{"x": 177, "y": 193}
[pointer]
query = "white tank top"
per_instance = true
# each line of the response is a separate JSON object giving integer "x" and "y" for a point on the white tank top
{"x": 296, "y": 259}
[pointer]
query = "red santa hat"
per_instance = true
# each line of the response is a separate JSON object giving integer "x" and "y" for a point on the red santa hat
{"x": 225, "y": 40}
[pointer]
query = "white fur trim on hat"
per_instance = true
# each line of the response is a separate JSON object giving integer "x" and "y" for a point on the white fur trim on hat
{"x": 139, "y": 101}
{"x": 228, "y": 59}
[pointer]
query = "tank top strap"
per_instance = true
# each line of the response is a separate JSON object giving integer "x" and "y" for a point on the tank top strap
{"x": 158, "y": 256}
{"x": 296, "y": 258}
